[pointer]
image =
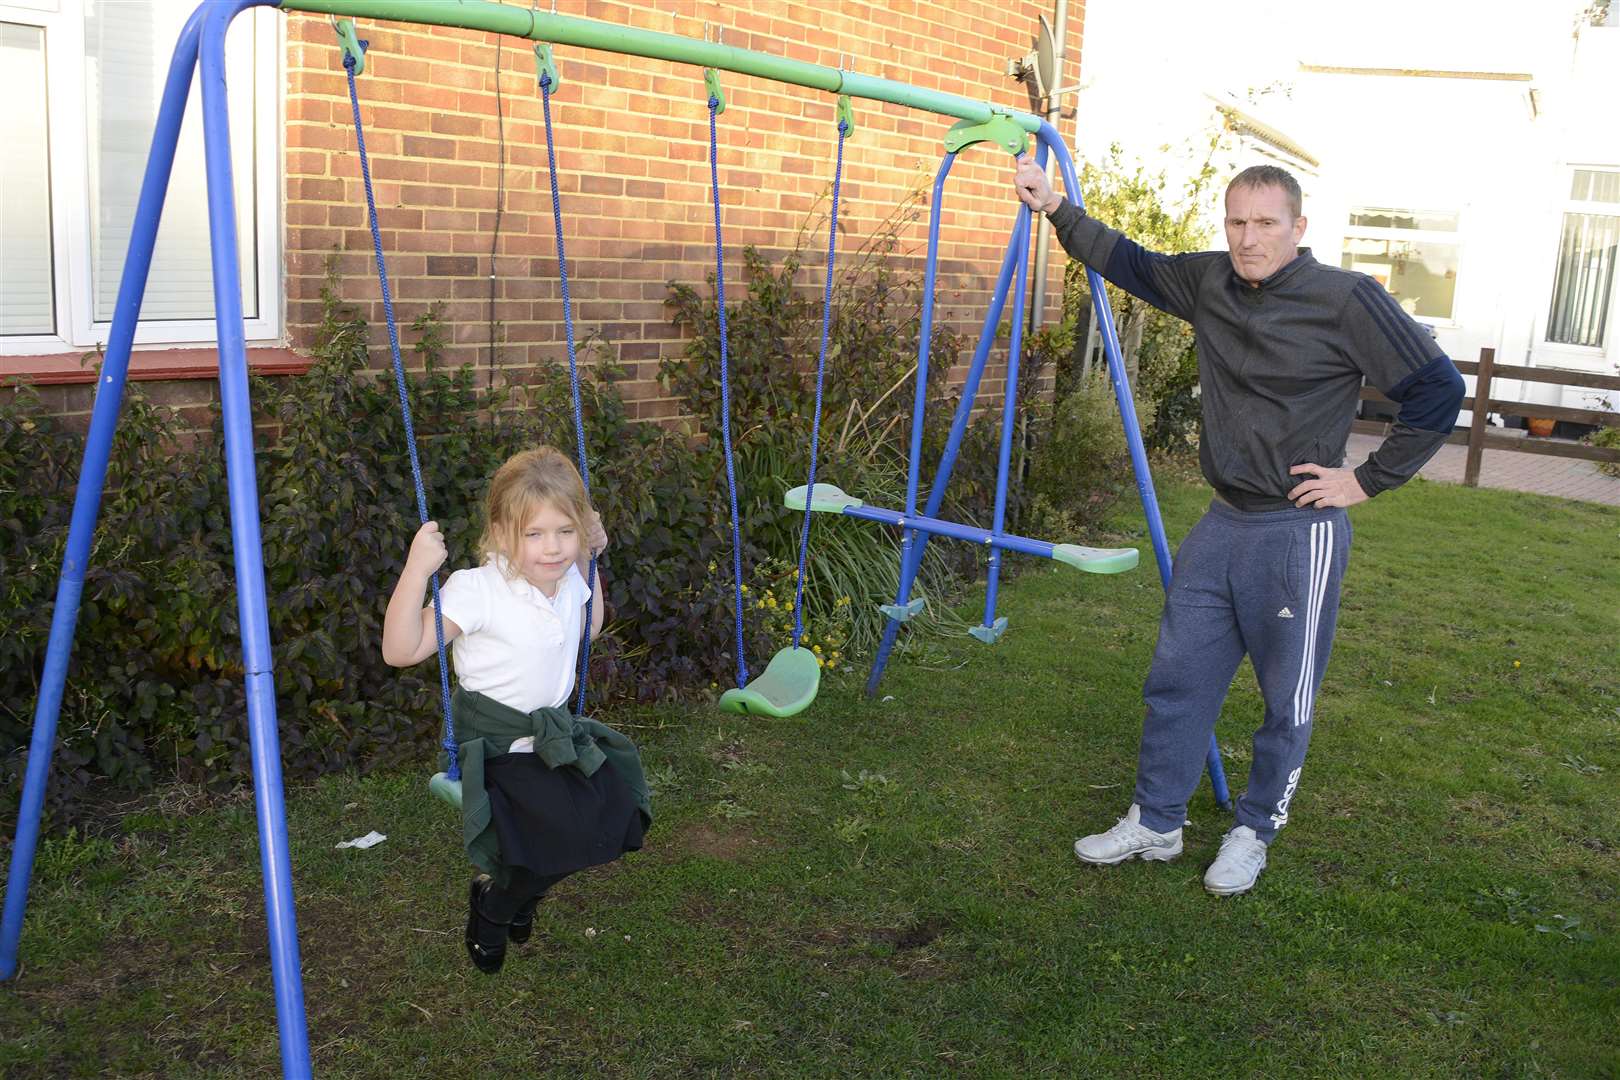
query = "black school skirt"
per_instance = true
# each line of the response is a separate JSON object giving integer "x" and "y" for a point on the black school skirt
{"x": 556, "y": 821}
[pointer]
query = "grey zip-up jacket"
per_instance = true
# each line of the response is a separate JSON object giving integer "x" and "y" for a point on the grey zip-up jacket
{"x": 1280, "y": 364}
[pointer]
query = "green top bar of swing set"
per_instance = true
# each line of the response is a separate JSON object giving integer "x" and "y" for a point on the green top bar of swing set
{"x": 591, "y": 34}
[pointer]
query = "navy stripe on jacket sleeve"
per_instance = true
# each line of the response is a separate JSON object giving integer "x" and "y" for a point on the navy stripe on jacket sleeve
{"x": 1396, "y": 325}
{"x": 1431, "y": 396}
{"x": 1131, "y": 268}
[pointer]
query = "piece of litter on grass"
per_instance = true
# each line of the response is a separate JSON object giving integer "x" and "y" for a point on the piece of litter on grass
{"x": 888, "y": 697}
{"x": 371, "y": 839}
{"x": 590, "y": 931}
{"x": 1101, "y": 787}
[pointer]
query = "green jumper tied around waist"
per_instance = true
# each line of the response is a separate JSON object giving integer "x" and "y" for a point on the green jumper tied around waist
{"x": 561, "y": 740}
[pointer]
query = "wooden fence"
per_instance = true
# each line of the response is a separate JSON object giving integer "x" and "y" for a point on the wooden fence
{"x": 1478, "y": 438}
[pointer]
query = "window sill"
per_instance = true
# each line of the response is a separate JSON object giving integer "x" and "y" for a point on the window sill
{"x": 58, "y": 369}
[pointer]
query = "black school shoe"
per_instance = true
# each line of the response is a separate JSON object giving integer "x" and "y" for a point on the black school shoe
{"x": 523, "y": 922}
{"x": 486, "y": 958}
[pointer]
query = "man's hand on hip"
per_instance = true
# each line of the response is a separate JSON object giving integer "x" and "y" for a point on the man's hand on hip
{"x": 1328, "y": 487}
{"x": 1034, "y": 188}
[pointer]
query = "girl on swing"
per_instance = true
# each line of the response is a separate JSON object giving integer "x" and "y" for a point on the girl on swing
{"x": 545, "y": 793}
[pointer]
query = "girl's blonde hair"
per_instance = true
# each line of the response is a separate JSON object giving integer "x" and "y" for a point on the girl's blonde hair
{"x": 529, "y": 480}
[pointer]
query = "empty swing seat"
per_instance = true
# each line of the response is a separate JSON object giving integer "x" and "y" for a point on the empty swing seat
{"x": 447, "y": 789}
{"x": 786, "y": 687}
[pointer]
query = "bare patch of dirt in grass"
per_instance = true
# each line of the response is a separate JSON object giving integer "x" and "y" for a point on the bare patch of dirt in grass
{"x": 708, "y": 840}
{"x": 907, "y": 950}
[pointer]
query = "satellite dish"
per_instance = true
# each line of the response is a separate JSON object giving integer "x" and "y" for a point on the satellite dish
{"x": 1038, "y": 68}
{"x": 1045, "y": 59}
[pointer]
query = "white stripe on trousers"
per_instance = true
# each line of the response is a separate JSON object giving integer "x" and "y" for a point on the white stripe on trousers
{"x": 1315, "y": 591}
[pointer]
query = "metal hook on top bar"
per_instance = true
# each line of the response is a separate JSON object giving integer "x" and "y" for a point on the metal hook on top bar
{"x": 846, "y": 107}
{"x": 544, "y": 63}
{"x": 351, "y": 44}
{"x": 533, "y": 10}
{"x": 545, "y": 68}
{"x": 846, "y": 115}
{"x": 711, "y": 77}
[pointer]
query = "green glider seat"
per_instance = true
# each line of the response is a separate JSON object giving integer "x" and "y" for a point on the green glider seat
{"x": 786, "y": 687}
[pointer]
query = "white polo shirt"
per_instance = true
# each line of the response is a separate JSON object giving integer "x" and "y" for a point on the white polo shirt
{"x": 517, "y": 645}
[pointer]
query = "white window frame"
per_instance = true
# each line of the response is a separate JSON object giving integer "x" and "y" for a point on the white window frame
{"x": 69, "y": 161}
{"x": 1449, "y": 237}
{"x": 1581, "y": 357}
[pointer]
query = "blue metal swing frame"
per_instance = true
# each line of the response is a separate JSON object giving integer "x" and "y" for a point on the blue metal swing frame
{"x": 201, "y": 47}
{"x": 917, "y": 528}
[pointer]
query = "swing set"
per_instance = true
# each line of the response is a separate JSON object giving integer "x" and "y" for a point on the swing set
{"x": 790, "y": 681}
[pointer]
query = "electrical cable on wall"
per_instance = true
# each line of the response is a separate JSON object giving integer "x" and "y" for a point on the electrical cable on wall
{"x": 500, "y": 203}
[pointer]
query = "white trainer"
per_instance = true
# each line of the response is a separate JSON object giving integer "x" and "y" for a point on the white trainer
{"x": 1238, "y": 865}
{"x": 1128, "y": 839}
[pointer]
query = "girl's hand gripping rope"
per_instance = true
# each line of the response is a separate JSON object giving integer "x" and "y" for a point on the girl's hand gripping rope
{"x": 427, "y": 552}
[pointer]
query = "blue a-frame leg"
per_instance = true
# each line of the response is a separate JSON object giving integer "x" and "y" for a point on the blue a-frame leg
{"x": 202, "y": 43}
{"x": 914, "y": 541}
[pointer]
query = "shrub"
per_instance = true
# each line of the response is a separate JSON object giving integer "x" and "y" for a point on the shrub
{"x": 1159, "y": 347}
{"x": 1083, "y": 464}
{"x": 774, "y": 331}
{"x": 1606, "y": 437}
{"x": 155, "y": 688}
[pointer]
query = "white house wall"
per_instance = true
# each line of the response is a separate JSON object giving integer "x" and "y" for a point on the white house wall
{"x": 1469, "y": 145}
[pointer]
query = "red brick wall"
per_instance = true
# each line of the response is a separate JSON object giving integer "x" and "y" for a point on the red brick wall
{"x": 633, "y": 171}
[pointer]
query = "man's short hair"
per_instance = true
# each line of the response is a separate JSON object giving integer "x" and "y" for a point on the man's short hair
{"x": 1258, "y": 176}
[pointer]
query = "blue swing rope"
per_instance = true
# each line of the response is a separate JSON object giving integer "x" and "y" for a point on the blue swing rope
{"x": 454, "y": 769}
{"x": 821, "y": 367}
{"x": 725, "y": 391}
{"x": 573, "y": 376}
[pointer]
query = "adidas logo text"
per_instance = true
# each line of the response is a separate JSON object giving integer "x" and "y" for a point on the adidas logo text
{"x": 1285, "y": 613}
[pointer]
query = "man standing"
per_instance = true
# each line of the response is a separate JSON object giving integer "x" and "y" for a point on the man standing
{"x": 1283, "y": 345}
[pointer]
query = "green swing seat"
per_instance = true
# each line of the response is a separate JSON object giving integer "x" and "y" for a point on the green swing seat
{"x": 786, "y": 687}
{"x": 447, "y": 789}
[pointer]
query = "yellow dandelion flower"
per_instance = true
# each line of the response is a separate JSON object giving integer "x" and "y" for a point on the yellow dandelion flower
{"x": 711, "y": 566}
{"x": 745, "y": 589}
{"x": 816, "y": 649}
{"x": 820, "y": 662}
{"x": 770, "y": 601}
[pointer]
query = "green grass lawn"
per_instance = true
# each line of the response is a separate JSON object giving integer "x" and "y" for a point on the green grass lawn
{"x": 885, "y": 887}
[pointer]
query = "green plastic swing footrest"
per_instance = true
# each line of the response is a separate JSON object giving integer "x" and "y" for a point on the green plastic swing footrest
{"x": 787, "y": 686}
{"x": 1096, "y": 560}
{"x": 990, "y": 634}
{"x": 828, "y": 499}
{"x": 445, "y": 788}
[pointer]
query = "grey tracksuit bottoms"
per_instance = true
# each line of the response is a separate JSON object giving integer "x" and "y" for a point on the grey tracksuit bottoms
{"x": 1264, "y": 584}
